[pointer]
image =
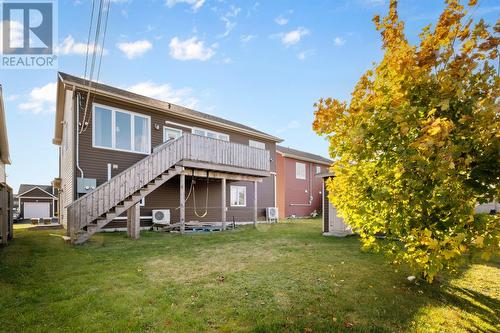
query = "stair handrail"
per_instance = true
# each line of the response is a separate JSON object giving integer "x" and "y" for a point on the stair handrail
{"x": 128, "y": 183}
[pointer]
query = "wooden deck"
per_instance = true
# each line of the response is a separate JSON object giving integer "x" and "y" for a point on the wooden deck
{"x": 128, "y": 187}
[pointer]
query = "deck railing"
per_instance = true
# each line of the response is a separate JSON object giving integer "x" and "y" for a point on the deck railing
{"x": 214, "y": 151}
{"x": 190, "y": 147}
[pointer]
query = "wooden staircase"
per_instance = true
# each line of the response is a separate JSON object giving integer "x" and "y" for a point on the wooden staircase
{"x": 91, "y": 212}
{"x": 86, "y": 232}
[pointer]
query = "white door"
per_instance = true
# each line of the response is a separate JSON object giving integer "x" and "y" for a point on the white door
{"x": 337, "y": 225}
{"x": 36, "y": 210}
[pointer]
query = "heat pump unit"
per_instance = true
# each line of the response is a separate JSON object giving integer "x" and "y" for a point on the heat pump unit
{"x": 161, "y": 216}
{"x": 272, "y": 213}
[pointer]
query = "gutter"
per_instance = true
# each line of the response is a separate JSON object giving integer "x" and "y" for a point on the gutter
{"x": 301, "y": 158}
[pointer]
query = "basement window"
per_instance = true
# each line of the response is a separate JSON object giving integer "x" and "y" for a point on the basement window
{"x": 238, "y": 196}
{"x": 300, "y": 170}
{"x": 121, "y": 130}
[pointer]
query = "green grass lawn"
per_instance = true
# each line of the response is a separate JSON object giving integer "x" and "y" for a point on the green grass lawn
{"x": 276, "y": 278}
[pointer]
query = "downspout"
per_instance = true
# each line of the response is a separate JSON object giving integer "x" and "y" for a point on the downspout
{"x": 78, "y": 134}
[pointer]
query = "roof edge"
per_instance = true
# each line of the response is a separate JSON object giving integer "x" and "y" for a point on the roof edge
{"x": 66, "y": 83}
{"x": 302, "y": 158}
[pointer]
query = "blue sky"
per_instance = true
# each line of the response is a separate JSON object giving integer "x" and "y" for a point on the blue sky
{"x": 262, "y": 63}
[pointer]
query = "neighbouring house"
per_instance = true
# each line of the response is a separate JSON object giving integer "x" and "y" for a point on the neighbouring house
{"x": 37, "y": 202}
{"x": 128, "y": 160}
{"x": 333, "y": 224}
{"x": 299, "y": 191}
{"x": 6, "y": 194}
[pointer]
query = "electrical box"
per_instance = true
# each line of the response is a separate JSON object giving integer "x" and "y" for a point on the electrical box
{"x": 85, "y": 185}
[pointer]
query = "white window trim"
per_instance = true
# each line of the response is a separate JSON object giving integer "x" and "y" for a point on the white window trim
{"x": 231, "y": 195}
{"x": 318, "y": 167}
{"x": 113, "y": 129}
{"x": 305, "y": 171}
{"x": 170, "y": 128}
{"x": 193, "y": 129}
{"x": 257, "y": 144}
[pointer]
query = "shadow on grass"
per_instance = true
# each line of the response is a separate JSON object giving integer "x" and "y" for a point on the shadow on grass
{"x": 281, "y": 278}
{"x": 484, "y": 307}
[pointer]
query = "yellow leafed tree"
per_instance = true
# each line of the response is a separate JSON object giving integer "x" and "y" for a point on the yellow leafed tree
{"x": 418, "y": 145}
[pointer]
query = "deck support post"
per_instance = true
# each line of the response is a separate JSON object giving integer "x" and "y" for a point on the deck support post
{"x": 182, "y": 205}
{"x": 134, "y": 221}
{"x": 223, "y": 203}
{"x": 255, "y": 203}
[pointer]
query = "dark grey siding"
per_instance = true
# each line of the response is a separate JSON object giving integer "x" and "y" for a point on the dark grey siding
{"x": 94, "y": 161}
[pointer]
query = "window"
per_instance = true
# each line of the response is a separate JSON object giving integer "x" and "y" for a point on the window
{"x": 121, "y": 130}
{"x": 238, "y": 196}
{"x": 318, "y": 169}
{"x": 102, "y": 127}
{"x": 210, "y": 134}
{"x": 300, "y": 170}
{"x": 257, "y": 144}
{"x": 142, "y": 203}
{"x": 171, "y": 133}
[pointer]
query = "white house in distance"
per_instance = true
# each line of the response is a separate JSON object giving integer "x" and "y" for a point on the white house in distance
{"x": 37, "y": 201}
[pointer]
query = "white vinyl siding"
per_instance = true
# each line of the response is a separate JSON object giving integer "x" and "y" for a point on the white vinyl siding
{"x": 238, "y": 196}
{"x": 257, "y": 144}
{"x": 300, "y": 170}
{"x": 67, "y": 159}
{"x": 121, "y": 130}
{"x": 210, "y": 134}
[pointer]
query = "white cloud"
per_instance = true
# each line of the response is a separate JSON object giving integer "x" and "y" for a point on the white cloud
{"x": 70, "y": 47}
{"x": 247, "y": 38}
{"x": 16, "y": 33}
{"x": 281, "y": 20}
{"x": 135, "y": 49}
{"x": 291, "y": 125}
{"x": 190, "y": 49}
{"x": 294, "y": 36}
{"x": 229, "y": 23}
{"x": 305, "y": 54}
{"x": 41, "y": 99}
{"x": 195, "y": 4}
{"x": 338, "y": 41}
{"x": 11, "y": 98}
{"x": 165, "y": 92}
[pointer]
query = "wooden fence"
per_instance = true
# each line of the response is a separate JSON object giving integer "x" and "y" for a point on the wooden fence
{"x": 6, "y": 213}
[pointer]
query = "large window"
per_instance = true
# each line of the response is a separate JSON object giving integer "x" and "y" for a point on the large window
{"x": 257, "y": 144}
{"x": 238, "y": 196}
{"x": 121, "y": 130}
{"x": 300, "y": 170}
{"x": 210, "y": 134}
